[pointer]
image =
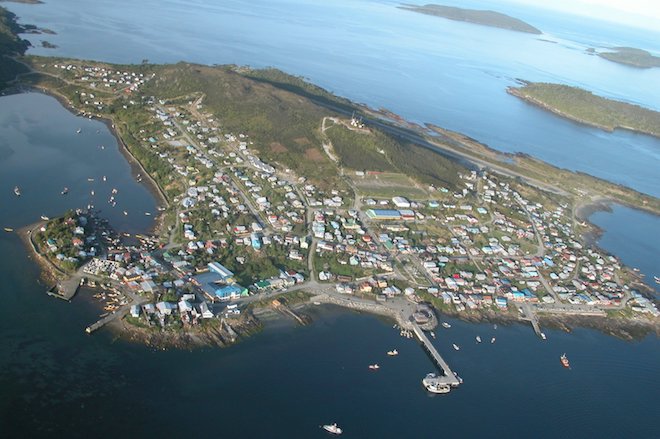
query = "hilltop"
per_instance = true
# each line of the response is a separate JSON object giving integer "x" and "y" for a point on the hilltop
{"x": 475, "y": 16}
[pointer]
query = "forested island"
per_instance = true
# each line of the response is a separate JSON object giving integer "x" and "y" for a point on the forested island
{"x": 632, "y": 57}
{"x": 583, "y": 106}
{"x": 475, "y": 16}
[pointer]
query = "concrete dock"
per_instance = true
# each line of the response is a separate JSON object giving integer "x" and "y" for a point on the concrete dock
{"x": 448, "y": 376}
{"x": 530, "y": 315}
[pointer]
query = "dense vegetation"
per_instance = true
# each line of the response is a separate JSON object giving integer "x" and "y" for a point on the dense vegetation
{"x": 10, "y": 44}
{"x": 632, "y": 57}
{"x": 482, "y": 17}
{"x": 583, "y": 106}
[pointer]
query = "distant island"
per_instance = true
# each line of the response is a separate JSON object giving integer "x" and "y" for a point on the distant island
{"x": 585, "y": 107}
{"x": 475, "y": 16}
{"x": 631, "y": 57}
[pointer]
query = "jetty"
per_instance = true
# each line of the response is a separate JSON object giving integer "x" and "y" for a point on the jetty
{"x": 448, "y": 376}
{"x": 530, "y": 315}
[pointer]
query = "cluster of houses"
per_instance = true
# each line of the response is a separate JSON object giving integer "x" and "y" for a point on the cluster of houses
{"x": 71, "y": 240}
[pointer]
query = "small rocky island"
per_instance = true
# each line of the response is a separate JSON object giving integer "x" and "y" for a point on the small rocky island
{"x": 475, "y": 16}
{"x": 631, "y": 56}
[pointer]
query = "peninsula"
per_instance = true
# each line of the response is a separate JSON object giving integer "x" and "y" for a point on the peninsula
{"x": 583, "y": 106}
{"x": 631, "y": 57}
{"x": 475, "y": 16}
{"x": 276, "y": 192}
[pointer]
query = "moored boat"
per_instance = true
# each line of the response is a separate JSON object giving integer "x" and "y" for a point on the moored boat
{"x": 393, "y": 353}
{"x": 492, "y": 340}
{"x": 543, "y": 336}
{"x": 65, "y": 191}
{"x": 456, "y": 347}
{"x": 564, "y": 361}
{"x": 374, "y": 366}
{"x": 17, "y": 191}
{"x": 478, "y": 339}
{"x": 432, "y": 383}
{"x": 8, "y": 229}
{"x": 45, "y": 218}
{"x": 333, "y": 428}
{"x": 446, "y": 325}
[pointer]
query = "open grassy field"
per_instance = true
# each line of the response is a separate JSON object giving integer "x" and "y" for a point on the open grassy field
{"x": 388, "y": 185}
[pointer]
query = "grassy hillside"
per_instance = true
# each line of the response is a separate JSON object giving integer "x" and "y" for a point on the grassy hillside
{"x": 380, "y": 152}
{"x": 585, "y": 107}
{"x": 482, "y": 17}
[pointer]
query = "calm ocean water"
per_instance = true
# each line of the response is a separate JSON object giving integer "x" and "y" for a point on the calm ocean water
{"x": 425, "y": 68}
{"x": 286, "y": 381}
{"x": 56, "y": 380}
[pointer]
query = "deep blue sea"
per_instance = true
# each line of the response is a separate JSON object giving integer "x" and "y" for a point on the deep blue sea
{"x": 56, "y": 381}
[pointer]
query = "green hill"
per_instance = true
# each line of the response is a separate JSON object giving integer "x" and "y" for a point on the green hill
{"x": 475, "y": 16}
{"x": 585, "y": 107}
{"x": 632, "y": 57}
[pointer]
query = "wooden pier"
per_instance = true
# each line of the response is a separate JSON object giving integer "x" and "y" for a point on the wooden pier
{"x": 448, "y": 376}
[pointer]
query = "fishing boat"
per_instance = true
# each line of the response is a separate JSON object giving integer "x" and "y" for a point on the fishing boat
{"x": 374, "y": 366}
{"x": 446, "y": 325}
{"x": 456, "y": 347}
{"x": 492, "y": 340}
{"x": 564, "y": 361}
{"x": 393, "y": 353}
{"x": 65, "y": 191}
{"x": 332, "y": 428}
{"x": 478, "y": 339}
{"x": 8, "y": 229}
{"x": 17, "y": 191}
{"x": 45, "y": 218}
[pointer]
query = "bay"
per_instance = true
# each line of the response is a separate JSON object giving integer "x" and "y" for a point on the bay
{"x": 424, "y": 68}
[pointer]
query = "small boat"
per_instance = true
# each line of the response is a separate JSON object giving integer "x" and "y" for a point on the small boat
{"x": 657, "y": 279}
{"x": 92, "y": 192}
{"x": 105, "y": 178}
{"x": 65, "y": 191}
{"x": 432, "y": 334}
{"x": 147, "y": 213}
{"x": 374, "y": 366}
{"x": 17, "y": 191}
{"x": 478, "y": 339}
{"x": 492, "y": 340}
{"x": 564, "y": 361}
{"x": 114, "y": 191}
{"x": 79, "y": 130}
{"x": 393, "y": 353}
{"x": 432, "y": 383}
{"x": 45, "y": 218}
{"x": 543, "y": 336}
{"x": 332, "y": 428}
{"x": 495, "y": 326}
{"x": 90, "y": 179}
{"x": 8, "y": 229}
{"x": 456, "y": 347}
{"x": 125, "y": 213}
{"x": 446, "y": 325}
